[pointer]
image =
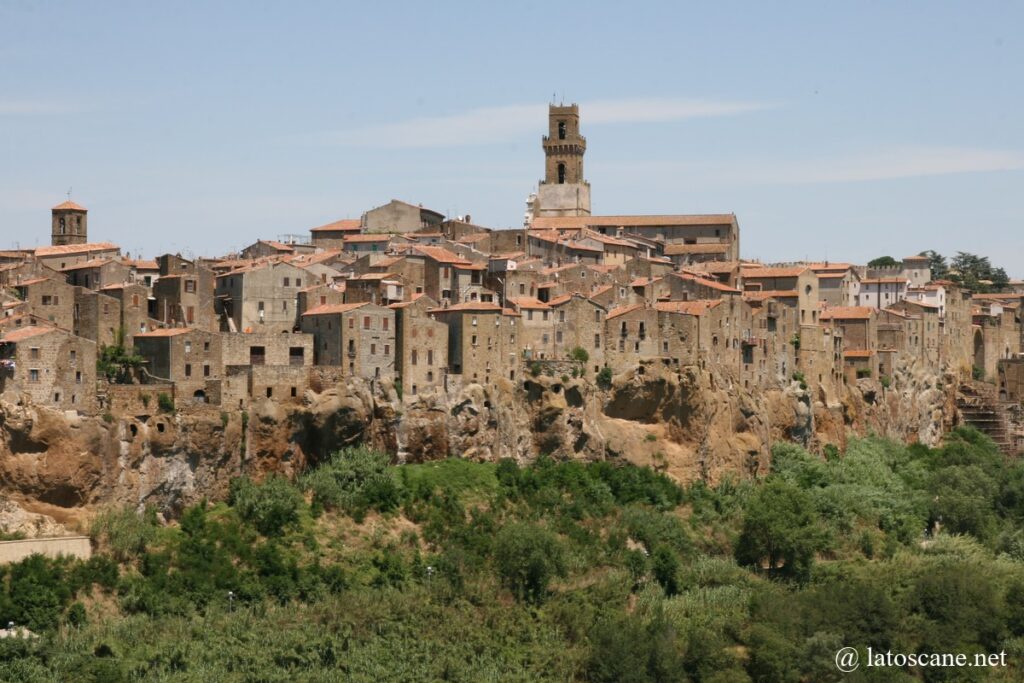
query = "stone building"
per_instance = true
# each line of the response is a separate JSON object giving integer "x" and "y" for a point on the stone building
{"x": 133, "y": 302}
{"x": 537, "y": 328}
{"x": 882, "y": 292}
{"x": 715, "y": 229}
{"x": 332, "y": 235}
{"x": 49, "y": 300}
{"x": 183, "y": 295}
{"x": 399, "y": 217}
{"x": 482, "y": 342}
{"x": 631, "y": 335}
{"x": 262, "y": 296}
{"x": 97, "y": 273}
{"x": 358, "y": 337}
{"x": 267, "y": 348}
{"x": 190, "y": 358}
{"x": 578, "y": 323}
{"x": 48, "y": 367}
{"x": 421, "y": 361}
{"x": 96, "y": 316}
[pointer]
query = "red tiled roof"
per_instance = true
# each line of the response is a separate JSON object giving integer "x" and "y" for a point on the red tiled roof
{"x": 557, "y": 222}
{"x": 760, "y": 295}
{"x": 528, "y": 302}
{"x": 698, "y": 307}
{"x": 91, "y": 263}
{"x": 483, "y": 306}
{"x": 706, "y": 282}
{"x": 344, "y": 225}
{"x": 23, "y": 333}
{"x": 441, "y": 255}
{"x": 622, "y": 310}
{"x": 76, "y": 248}
{"x": 680, "y": 249}
{"x": 333, "y": 309}
{"x": 760, "y": 272}
{"x": 69, "y": 206}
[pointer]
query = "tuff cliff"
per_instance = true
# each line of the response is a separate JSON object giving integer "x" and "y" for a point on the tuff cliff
{"x": 689, "y": 422}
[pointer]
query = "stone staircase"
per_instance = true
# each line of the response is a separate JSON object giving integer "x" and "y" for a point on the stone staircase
{"x": 980, "y": 407}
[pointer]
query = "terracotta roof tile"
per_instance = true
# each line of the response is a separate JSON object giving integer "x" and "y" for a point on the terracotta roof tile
{"x": 76, "y": 248}
{"x": 333, "y": 309}
{"x": 23, "y": 333}
{"x": 69, "y": 206}
{"x": 846, "y": 313}
{"x": 345, "y": 225}
{"x": 528, "y": 302}
{"x": 698, "y": 307}
{"x": 622, "y": 310}
{"x": 556, "y": 222}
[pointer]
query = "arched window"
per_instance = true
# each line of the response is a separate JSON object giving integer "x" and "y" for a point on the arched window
{"x": 561, "y": 174}
{"x": 561, "y": 130}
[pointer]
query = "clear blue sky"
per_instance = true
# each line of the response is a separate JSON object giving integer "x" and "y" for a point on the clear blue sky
{"x": 838, "y": 130}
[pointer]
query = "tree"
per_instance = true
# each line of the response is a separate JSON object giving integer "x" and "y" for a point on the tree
{"x": 527, "y": 557}
{"x": 579, "y": 354}
{"x": 665, "y": 567}
{"x": 883, "y": 262}
{"x": 780, "y": 530}
{"x": 116, "y": 363}
{"x": 937, "y": 264}
{"x": 976, "y": 273}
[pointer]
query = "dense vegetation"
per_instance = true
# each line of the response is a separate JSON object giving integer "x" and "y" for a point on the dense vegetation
{"x": 556, "y": 571}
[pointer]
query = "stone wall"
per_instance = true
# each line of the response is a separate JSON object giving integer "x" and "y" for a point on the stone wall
{"x": 73, "y": 546}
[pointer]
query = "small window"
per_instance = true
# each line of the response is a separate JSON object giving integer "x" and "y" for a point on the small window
{"x": 190, "y": 286}
{"x": 387, "y": 349}
{"x": 298, "y": 283}
{"x": 206, "y": 370}
{"x": 34, "y": 353}
{"x": 33, "y": 375}
{"x": 188, "y": 347}
{"x": 430, "y": 356}
{"x": 351, "y": 323}
{"x": 188, "y": 369}
{"x": 384, "y": 323}
{"x": 366, "y": 322}
{"x": 413, "y": 357}
{"x": 287, "y": 282}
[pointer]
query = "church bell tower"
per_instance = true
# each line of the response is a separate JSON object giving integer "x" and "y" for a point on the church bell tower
{"x": 563, "y": 192}
{"x": 69, "y": 224}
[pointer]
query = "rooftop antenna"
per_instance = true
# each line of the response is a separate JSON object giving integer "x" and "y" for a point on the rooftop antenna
{"x": 69, "y": 194}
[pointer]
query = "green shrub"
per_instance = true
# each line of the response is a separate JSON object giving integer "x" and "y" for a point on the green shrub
{"x": 271, "y": 507}
{"x": 604, "y": 378}
{"x": 165, "y": 402}
{"x": 535, "y": 369}
{"x": 863, "y": 372}
{"x": 127, "y": 533}
{"x": 355, "y": 480}
{"x": 885, "y": 381}
{"x": 579, "y": 354}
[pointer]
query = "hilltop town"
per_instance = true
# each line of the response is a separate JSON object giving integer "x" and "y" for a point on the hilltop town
{"x": 435, "y": 336}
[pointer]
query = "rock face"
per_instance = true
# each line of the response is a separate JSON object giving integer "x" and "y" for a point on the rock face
{"x": 691, "y": 423}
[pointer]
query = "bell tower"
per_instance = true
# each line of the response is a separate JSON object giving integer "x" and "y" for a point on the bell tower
{"x": 564, "y": 191}
{"x": 69, "y": 224}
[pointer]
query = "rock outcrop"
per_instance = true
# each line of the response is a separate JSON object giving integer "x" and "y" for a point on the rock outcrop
{"x": 689, "y": 422}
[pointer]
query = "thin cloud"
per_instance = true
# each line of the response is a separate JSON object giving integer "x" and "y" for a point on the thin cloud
{"x": 488, "y": 125}
{"x": 895, "y": 163}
